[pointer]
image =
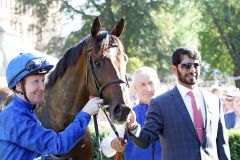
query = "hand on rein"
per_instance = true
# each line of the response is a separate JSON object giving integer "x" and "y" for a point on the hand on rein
{"x": 101, "y": 106}
{"x": 92, "y": 106}
{"x": 119, "y": 144}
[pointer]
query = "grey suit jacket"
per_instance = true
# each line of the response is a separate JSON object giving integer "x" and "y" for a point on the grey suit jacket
{"x": 169, "y": 120}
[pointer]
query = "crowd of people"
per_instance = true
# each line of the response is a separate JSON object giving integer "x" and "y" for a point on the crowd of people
{"x": 184, "y": 122}
{"x": 231, "y": 105}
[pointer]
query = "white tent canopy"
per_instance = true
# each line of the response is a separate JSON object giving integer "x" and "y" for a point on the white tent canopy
{"x": 10, "y": 47}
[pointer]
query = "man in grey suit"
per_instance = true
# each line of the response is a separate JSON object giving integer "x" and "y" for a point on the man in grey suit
{"x": 190, "y": 127}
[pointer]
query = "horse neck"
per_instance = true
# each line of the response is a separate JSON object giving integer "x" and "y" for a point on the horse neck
{"x": 67, "y": 96}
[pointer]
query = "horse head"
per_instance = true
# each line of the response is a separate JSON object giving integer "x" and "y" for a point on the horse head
{"x": 96, "y": 66}
{"x": 107, "y": 62}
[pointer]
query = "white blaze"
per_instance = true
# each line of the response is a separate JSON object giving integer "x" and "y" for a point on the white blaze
{"x": 113, "y": 51}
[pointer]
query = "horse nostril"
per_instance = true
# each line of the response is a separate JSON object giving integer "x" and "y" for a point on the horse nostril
{"x": 127, "y": 110}
{"x": 122, "y": 111}
{"x": 117, "y": 109}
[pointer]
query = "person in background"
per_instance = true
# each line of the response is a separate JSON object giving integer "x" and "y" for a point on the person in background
{"x": 146, "y": 84}
{"x": 232, "y": 117}
{"x": 188, "y": 120}
{"x": 216, "y": 90}
{"x": 21, "y": 135}
{"x": 220, "y": 92}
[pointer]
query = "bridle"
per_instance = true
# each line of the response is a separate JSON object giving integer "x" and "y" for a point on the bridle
{"x": 98, "y": 86}
{"x": 90, "y": 64}
{"x": 100, "y": 89}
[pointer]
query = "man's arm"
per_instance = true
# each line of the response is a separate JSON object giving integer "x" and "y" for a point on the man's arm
{"x": 151, "y": 129}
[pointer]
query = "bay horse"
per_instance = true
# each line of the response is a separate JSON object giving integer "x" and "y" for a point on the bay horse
{"x": 5, "y": 97}
{"x": 96, "y": 66}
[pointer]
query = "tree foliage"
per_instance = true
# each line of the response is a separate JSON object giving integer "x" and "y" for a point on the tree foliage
{"x": 154, "y": 28}
{"x": 220, "y": 41}
{"x": 141, "y": 37}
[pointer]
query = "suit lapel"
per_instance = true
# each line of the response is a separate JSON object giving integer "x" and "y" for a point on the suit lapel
{"x": 182, "y": 109}
{"x": 208, "y": 113}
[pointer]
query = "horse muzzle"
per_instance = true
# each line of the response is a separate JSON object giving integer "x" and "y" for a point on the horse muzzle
{"x": 119, "y": 114}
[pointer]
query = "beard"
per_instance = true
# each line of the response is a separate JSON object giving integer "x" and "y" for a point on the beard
{"x": 183, "y": 78}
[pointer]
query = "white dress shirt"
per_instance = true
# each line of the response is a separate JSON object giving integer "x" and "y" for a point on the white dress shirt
{"x": 187, "y": 100}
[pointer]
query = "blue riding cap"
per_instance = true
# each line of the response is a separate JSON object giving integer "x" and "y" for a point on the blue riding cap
{"x": 23, "y": 65}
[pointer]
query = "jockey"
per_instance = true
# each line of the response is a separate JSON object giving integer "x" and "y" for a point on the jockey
{"x": 22, "y": 136}
{"x": 23, "y": 66}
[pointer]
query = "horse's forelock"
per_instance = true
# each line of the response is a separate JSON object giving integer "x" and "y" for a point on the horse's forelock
{"x": 101, "y": 36}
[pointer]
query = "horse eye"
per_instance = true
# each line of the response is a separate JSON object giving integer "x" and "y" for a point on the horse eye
{"x": 99, "y": 63}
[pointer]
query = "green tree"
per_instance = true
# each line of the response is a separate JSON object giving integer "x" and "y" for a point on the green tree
{"x": 220, "y": 43}
{"x": 154, "y": 28}
{"x": 176, "y": 22}
{"x": 141, "y": 37}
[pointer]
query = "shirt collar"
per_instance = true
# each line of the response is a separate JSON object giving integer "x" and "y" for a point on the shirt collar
{"x": 184, "y": 90}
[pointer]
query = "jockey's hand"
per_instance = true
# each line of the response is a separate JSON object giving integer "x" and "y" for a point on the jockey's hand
{"x": 92, "y": 106}
{"x": 118, "y": 145}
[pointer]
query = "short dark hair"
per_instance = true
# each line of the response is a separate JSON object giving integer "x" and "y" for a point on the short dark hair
{"x": 179, "y": 52}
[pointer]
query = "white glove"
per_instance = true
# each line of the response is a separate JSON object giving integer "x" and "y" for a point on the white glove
{"x": 92, "y": 106}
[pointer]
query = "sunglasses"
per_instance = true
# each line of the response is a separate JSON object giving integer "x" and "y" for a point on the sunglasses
{"x": 188, "y": 66}
{"x": 36, "y": 63}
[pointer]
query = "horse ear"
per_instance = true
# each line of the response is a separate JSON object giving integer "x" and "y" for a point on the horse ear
{"x": 118, "y": 29}
{"x": 95, "y": 27}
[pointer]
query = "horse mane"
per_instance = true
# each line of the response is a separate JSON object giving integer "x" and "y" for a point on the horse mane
{"x": 69, "y": 59}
